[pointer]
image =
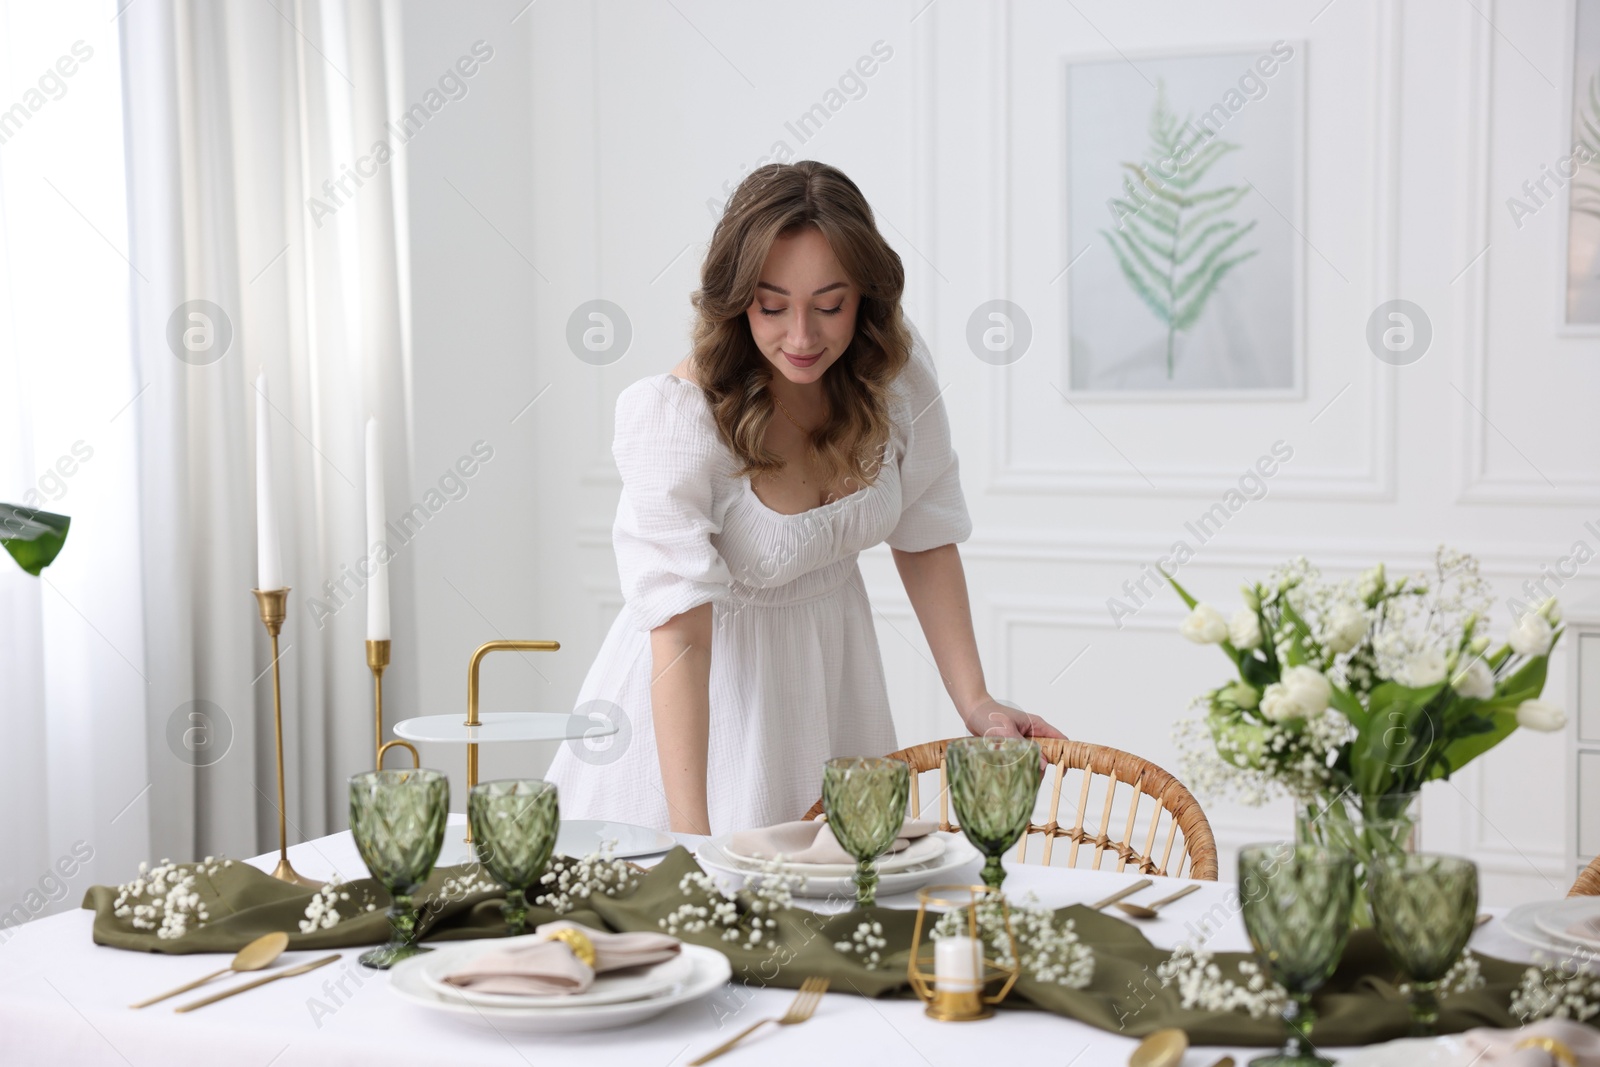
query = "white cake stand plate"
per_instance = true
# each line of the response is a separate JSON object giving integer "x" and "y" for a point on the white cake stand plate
{"x": 500, "y": 726}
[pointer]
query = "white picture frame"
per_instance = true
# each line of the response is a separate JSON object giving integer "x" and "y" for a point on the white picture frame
{"x": 1114, "y": 346}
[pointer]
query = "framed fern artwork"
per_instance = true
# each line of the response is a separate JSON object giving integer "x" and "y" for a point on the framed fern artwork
{"x": 1185, "y": 209}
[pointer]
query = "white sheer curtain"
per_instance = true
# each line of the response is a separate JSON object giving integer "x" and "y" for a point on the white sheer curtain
{"x": 238, "y": 113}
{"x": 73, "y": 676}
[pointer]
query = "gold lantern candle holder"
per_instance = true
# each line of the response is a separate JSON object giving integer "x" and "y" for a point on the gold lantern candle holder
{"x": 956, "y": 975}
{"x": 377, "y": 661}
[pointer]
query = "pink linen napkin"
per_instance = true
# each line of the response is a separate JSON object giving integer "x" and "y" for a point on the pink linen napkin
{"x": 550, "y": 968}
{"x": 1485, "y": 1047}
{"x": 813, "y": 842}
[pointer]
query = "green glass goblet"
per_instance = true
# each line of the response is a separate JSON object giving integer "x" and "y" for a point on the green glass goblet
{"x": 994, "y": 783}
{"x": 397, "y": 819}
{"x": 514, "y": 825}
{"x": 865, "y": 799}
{"x": 1296, "y": 902}
{"x": 1424, "y": 906}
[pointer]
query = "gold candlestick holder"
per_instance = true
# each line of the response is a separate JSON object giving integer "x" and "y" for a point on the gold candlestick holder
{"x": 274, "y": 605}
{"x": 377, "y": 660}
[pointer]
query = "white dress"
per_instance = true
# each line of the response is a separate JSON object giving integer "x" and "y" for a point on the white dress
{"x": 796, "y": 675}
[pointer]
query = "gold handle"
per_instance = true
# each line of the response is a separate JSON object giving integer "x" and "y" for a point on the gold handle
{"x": 290, "y": 973}
{"x": 1143, "y": 883}
{"x": 197, "y": 983}
{"x": 416, "y": 760}
{"x": 720, "y": 1049}
{"x": 473, "y": 666}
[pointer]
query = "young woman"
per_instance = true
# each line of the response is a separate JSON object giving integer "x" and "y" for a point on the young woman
{"x": 805, "y": 426}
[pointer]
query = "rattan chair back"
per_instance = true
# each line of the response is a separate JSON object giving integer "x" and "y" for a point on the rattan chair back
{"x": 1120, "y": 805}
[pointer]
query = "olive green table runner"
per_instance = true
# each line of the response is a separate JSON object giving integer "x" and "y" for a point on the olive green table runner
{"x": 1360, "y": 1005}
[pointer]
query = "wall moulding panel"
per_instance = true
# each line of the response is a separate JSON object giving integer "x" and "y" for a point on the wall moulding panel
{"x": 1478, "y": 433}
{"x": 1045, "y": 440}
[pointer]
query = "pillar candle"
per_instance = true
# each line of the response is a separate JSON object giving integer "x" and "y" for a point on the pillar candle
{"x": 955, "y": 964}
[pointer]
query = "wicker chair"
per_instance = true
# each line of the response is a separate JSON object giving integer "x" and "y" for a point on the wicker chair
{"x": 1174, "y": 804}
{"x": 1588, "y": 883}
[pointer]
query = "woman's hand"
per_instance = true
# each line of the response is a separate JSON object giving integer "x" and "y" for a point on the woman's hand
{"x": 990, "y": 718}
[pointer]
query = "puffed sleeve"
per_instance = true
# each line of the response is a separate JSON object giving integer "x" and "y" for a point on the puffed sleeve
{"x": 666, "y": 450}
{"x": 933, "y": 511}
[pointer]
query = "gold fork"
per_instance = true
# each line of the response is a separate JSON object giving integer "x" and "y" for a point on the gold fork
{"x": 802, "y": 1008}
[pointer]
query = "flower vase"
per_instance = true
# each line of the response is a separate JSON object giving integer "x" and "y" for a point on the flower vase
{"x": 1363, "y": 826}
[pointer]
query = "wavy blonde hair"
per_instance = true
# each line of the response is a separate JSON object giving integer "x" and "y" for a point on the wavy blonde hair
{"x": 775, "y": 200}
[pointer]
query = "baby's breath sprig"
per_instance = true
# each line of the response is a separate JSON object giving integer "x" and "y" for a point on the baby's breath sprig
{"x": 1201, "y": 984}
{"x": 569, "y": 882}
{"x": 766, "y": 892}
{"x": 866, "y": 941}
{"x": 1550, "y": 993}
{"x": 163, "y": 898}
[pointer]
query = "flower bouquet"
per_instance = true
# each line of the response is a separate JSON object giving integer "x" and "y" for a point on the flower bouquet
{"x": 1351, "y": 694}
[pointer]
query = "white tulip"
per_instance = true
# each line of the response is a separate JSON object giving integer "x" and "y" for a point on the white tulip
{"x": 1347, "y": 628}
{"x": 1205, "y": 626}
{"x": 1301, "y": 693}
{"x": 1426, "y": 668}
{"x": 1242, "y": 695}
{"x": 1244, "y": 630}
{"x": 1475, "y": 681}
{"x": 1551, "y": 610}
{"x": 1530, "y": 636}
{"x": 1539, "y": 715}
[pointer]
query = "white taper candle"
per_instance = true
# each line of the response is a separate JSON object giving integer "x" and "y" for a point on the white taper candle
{"x": 269, "y": 558}
{"x": 378, "y": 582}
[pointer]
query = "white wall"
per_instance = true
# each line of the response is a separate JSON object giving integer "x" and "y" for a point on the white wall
{"x": 582, "y": 161}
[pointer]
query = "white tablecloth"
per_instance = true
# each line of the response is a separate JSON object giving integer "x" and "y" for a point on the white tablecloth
{"x": 63, "y": 1000}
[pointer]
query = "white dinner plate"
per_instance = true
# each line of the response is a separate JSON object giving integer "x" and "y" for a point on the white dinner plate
{"x": 579, "y": 837}
{"x": 1521, "y": 923}
{"x": 1558, "y": 918}
{"x": 1410, "y": 1052}
{"x": 710, "y": 971}
{"x": 957, "y": 852}
{"x": 610, "y": 988}
{"x": 924, "y": 849}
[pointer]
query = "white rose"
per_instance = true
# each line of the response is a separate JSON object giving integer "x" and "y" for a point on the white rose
{"x": 1475, "y": 681}
{"x": 1347, "y": 628}
{"x": 1538, "y": 715}
{"x": 1244, "y": 630}
{"x": 1301, "y": 693}
{"x": 1426, "y": 668}
{"x": 1530, "y": 636}
{"x": 1205, "y": 626}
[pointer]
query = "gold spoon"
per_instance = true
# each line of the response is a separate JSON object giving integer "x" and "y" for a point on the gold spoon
{"x": 1128, "y": 891}
{"x": 1164, "y": 1048}
{"x": 257, "y": 954}
{"x": 1142, "y": 911}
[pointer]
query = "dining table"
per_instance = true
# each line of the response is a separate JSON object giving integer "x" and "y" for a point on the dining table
{"x": 65, "y": 1000}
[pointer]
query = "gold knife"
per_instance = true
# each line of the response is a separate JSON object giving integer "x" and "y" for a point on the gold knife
{"x": 290, "y": 973}
{"x": 1143, "y": 883}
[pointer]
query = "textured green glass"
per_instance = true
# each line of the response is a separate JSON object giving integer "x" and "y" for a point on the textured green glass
{"x": 514, "y": 825}
{"x": 994, "y": 784}
{"x": 865, "y": 800}
{"x": 1296, "y": 903}
{"x": 397, "y": 819}
{"x": 1424, "y": 906}
{"x": 1365, "y": 827}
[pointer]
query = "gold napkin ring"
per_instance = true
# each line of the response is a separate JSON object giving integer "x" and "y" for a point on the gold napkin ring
{"x": 583, "y": 948}
{"x": 1559, "y": 1051}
